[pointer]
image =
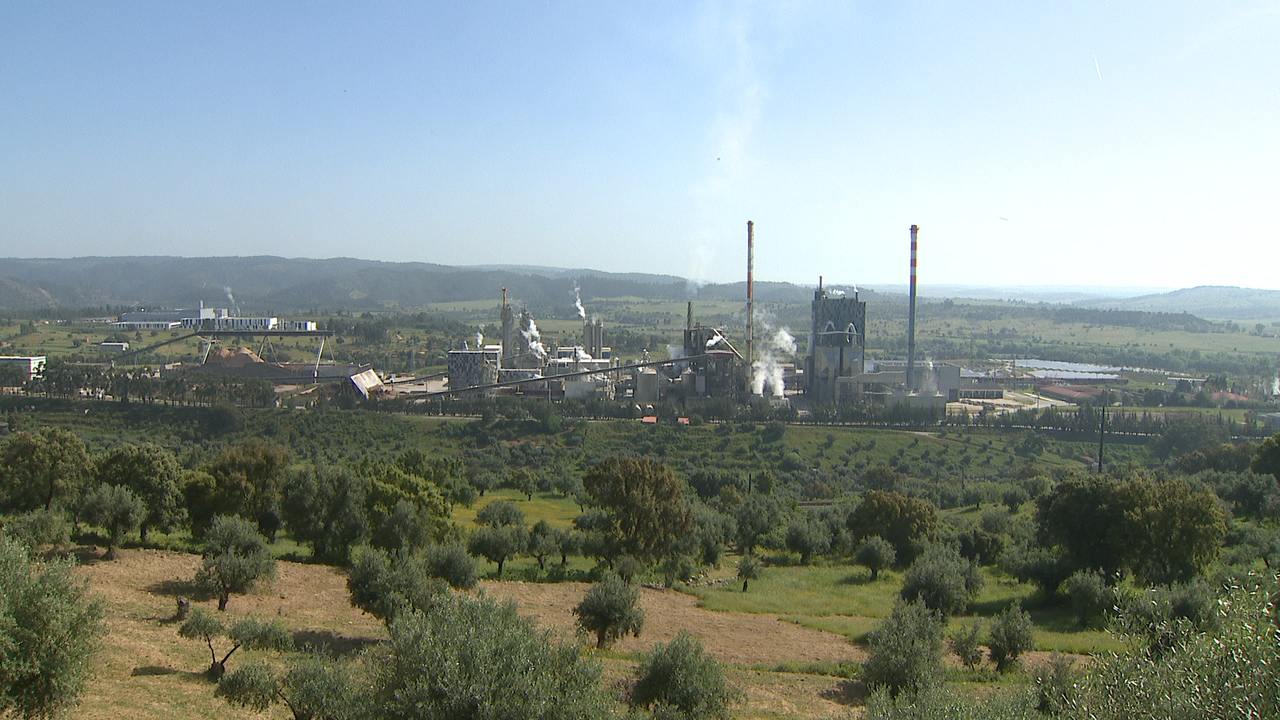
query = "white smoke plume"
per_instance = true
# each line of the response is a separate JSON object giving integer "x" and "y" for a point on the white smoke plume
{"x": 577, "y": 302}
{"x": 479, "y": 340}
{"x": 533, "y": 339}
{"x": 231, "y": 299}
{"x": 766, "y": 372}
{"x": 715, "y": 340}
{"x": 836, "y": 292}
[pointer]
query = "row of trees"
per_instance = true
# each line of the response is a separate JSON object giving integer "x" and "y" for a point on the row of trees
{"x": 64, "y": 379}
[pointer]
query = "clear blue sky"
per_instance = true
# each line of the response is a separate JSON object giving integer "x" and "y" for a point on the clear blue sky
{"x": 1102, "y": 143}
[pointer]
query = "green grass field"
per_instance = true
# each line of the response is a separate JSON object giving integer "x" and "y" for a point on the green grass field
{"x": 842, "y": 599}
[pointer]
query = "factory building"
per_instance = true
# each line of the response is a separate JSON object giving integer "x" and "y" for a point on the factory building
{"x": 166, "y": 319}
{"x": 207, "y": 319}
{"x": 593, "y": 338}
{"x": 29, "y": 367}
{"x": 937, "y": 383}
{"x": 837, "y": 346}
{"x": 712, "y": 370}
{"x": 469, "y": 368}
{"x": 226, "y": 323}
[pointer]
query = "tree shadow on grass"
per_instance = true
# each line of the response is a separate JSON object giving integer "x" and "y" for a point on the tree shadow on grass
{"x": 846, "y": 692}
{"x": 86, "y": 555}
{"x": 989, "y": 608}
{"x": 329, "y": 642}
{"x": 180, "y": 588}
{"x": 143, "y": 670}
{"x": 857, "y": 578}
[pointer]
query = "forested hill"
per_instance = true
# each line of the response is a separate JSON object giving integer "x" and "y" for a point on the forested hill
{"x": 275, "y": 284}
{"x": 282, "y": 285}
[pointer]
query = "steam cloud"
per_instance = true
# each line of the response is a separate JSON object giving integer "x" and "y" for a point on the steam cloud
{"x": 766, "y": 373}
{"x": 577, "y": 302}
{"x": 533, "y": 339}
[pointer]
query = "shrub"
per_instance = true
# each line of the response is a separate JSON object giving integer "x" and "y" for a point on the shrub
{"x": 682, "y": 681}
{"x": 967, "y": 644}
{"x": 40, "y": 527}
{"x": 611, "y": 610}
{"x": 1057, "y": 686}
{"x": 942, "y": 580}
{"x": 1163, "y": 617}
{"x": 385, "y": 585}
{"x": 1011, "y": 635}
{"x": 477, "y": 660}
{"x": 905, "y": 651}
{"x": 678, "y": 569}
{"x": 1090, "y": 596}
{"x": 942, "y": 704}
{"x": 1046, "y": 568}
{"x": 807, "y": 537}
{"x": 49, "y": 629}
{"x": 1231, "y": 671}
{"x": 312, "y": 686}
{"x": 454, "y": 565}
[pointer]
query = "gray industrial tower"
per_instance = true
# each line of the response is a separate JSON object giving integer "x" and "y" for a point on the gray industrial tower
{"x": 837, "y": 344}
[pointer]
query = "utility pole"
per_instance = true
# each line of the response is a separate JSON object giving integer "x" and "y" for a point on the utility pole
{"x": 1102, "y": 438}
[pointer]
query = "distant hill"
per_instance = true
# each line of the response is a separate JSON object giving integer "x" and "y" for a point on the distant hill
{"x": 282, "y": 285}
{"x": 265, "y": 283}
{"x": 1215, "y": 302}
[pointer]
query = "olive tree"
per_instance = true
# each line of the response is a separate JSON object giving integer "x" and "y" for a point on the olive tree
{"x": 115, "y": 508}
{"x": 49, "y": 630}
{"x": 154, "y": 475}
{"x": 904, "y": 654}
{"x": 473, "y": 659}
{"x": 312, "y": 686}
{"x": 611, "y": 610}
{"x": 1011, "y": 635}
{"x": 875, "y": 554}
{"x": 498, "y": 543}
{"x": 236, "y": 557}
{"x": 248, "y": 633}
{"x": 386, "y": 585}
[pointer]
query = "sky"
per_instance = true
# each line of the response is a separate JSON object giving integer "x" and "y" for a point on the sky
{"x": 1034, "y": 143}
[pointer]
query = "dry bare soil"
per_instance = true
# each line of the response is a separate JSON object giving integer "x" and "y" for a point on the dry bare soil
{"x": 146, "y": 671}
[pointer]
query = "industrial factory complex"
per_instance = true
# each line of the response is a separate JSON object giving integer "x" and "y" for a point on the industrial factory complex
{"x": 708, "y": 364}
{"x": 825, "y": 367}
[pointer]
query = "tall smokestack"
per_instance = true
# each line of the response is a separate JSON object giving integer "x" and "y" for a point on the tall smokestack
{"x": 751, "y": 295}
{"x": 911, "y": 318}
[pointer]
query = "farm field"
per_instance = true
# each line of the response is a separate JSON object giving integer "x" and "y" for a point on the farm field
{"x": 790, "y": 659}
{"x": 146, "y": 671}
